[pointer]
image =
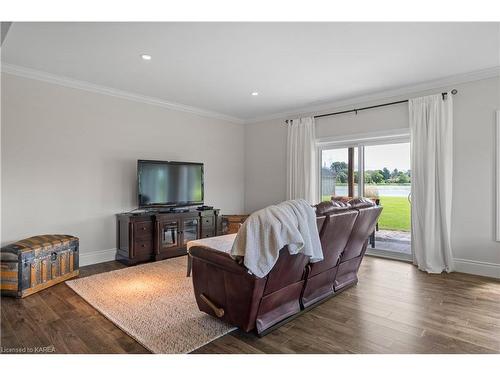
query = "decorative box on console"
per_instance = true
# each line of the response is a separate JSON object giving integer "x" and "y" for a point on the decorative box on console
{"x": 232, "y": 223}
{"x": 35, "y": 263}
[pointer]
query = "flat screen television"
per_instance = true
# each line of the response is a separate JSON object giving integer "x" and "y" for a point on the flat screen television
{"x": 169, "y": 183}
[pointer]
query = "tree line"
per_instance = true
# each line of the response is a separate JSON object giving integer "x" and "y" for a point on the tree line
{"x": 339, "y": 170}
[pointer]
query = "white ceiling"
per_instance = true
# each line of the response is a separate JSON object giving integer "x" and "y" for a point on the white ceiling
{"x": 216, "y": 66}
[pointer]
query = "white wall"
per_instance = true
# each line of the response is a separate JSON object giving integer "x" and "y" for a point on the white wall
{"x": 473, "y": 220}
{"x": 265, "y": 164}
{"x": 69, "y": 160}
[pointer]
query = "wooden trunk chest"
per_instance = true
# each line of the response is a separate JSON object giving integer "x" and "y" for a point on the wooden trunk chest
{"x": 33, "y": 264}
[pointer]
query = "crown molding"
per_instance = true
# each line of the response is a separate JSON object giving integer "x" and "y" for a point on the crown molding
{"x": 87, "y": 86}
{"x": 383, "y": 95}
{"x": 304, "y": 111}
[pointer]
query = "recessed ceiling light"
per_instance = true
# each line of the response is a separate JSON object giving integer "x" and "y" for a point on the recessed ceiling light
{"x": 255, "y": 93}
{"x": 146, "y": 57}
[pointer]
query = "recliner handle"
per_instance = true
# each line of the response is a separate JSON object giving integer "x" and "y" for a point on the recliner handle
{"x": 219, "y": 312}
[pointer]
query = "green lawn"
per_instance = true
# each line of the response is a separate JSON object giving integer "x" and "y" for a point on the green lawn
{"x": 395, "y": 215}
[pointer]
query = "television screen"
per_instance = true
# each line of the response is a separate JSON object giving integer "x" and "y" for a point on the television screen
{"x": 169, "y": 183}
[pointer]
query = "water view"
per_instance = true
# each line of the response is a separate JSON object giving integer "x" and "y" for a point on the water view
{"x": 383, "y": 190}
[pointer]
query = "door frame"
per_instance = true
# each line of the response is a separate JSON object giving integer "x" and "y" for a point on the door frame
{"x": 359, "y": 141}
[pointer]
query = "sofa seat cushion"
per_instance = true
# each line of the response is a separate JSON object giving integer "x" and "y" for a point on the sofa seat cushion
{"x": 219, "y": 243}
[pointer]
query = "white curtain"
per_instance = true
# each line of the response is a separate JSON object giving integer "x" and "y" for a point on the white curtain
{"x": 301, "y": 160}
{"x": 431, "y": 129}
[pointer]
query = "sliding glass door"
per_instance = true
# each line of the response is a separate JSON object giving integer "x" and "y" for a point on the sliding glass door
{"x": 380, "y": 172}
{"x": 387, "y": 178}
{"x": 339, "y": 172}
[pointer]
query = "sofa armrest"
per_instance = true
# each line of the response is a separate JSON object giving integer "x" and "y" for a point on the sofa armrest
{"x": 217, "y": 258}
{"x": 225, "y": 289}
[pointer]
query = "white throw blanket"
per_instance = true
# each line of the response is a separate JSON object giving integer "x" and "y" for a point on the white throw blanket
{"x": 267, "y": 231}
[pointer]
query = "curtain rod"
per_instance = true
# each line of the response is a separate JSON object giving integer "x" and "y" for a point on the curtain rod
{"x": 356, "y": 110}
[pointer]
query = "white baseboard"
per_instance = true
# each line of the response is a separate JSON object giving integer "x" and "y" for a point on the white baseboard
{"x": 99, "y": 256}
{"x": 477, "y": 268}
{"x": 473, "y": 267}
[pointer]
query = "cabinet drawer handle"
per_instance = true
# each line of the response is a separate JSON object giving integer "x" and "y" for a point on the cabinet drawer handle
{"x": 143, "y": 245}
{"x": 143, "y": 228}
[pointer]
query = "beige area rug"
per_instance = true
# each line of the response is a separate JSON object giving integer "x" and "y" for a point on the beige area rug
{"x": 154, "y": 303}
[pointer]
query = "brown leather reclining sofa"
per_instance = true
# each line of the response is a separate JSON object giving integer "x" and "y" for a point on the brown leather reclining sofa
{"x": 225, "y": 289}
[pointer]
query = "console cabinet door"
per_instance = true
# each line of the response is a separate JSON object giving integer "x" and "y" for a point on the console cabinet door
{"x": 169, "y": 233}
{"x": 190, "y": 230}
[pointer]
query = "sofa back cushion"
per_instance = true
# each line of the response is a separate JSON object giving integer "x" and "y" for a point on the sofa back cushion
{"x": 361, "y": 202}
{"x": 341, "y": 198}
{"x": 334, "y": 235}
{"x": 288, "y": 269}
{"x": 331, "y": 207}
{"x": 363, "y": 227}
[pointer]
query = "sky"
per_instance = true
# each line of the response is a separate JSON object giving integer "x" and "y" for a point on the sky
{"x": 376, "y": 157}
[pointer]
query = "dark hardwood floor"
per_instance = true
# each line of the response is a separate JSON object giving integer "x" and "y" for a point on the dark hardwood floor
{"x": 394, "y": 309}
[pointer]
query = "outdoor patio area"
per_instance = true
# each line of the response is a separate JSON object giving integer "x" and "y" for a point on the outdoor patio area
{"x": 393, "y": 240}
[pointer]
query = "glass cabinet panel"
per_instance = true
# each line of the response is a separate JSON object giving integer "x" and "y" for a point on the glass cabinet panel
{"x": 169, "y": 234}
{"x": 190, "y": 230}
